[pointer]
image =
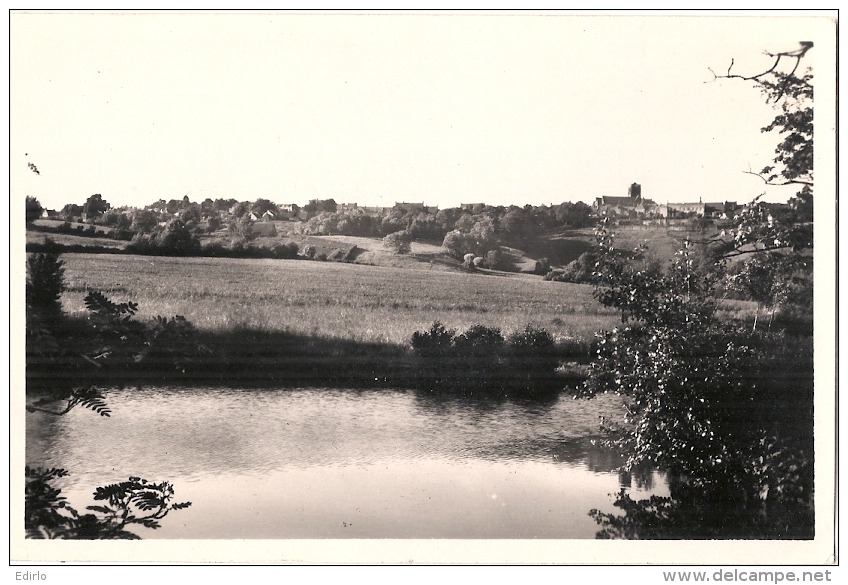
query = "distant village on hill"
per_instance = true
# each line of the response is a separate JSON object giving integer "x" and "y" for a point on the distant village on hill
{"x": 633, "y": 206}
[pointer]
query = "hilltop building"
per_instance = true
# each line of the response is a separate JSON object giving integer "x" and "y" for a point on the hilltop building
{"x": 719, "y": 210}
{"x": 633, "y": 204}
{"x": 407, "y": 207}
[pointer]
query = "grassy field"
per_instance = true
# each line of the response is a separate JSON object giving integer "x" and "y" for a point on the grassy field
{"x": 33, "y": 237}
{"x": 346, "y": 301}
{"x": 563, "y": 246}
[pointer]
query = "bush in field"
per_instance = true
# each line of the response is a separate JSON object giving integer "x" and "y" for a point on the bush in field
{"x": 285, "y": 251}
{"x": 215, "y": 249}
{"x": 497, "y": 259}
{"x": 433, "y": 343}
{"x": 531, "y": 341}
{"x": 174, "y": 239}
{"x": 480, "y": 360}
{"x": 542, "y": 267}
{"x": 293, "y": 249}
{"x": 141, "y": 244}
{"x": 309, "y": 251}
{"x": 398, "y": 242}
{"x": 579, "y": 271}
{"x": 456, "y": 243}
{"x": 241, "y": 228}
{"x": 177, "y": 239}
{"x": 213, "y": 224}
{"x": 531, "y": 352}
{"x": 479, "y": 341}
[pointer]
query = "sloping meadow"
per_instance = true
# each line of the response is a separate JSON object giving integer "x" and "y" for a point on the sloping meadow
{"x": 336, "y": 300}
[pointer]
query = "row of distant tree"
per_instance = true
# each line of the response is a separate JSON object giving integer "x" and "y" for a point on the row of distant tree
{"x": 473, "y": 230}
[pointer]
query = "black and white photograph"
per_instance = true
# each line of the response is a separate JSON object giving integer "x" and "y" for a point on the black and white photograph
{"x": 423, "y": 287}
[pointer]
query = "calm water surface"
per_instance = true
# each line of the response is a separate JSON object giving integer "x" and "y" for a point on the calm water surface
{"x": 320, "y": 463}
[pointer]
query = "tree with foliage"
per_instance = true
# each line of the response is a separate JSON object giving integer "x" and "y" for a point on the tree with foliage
{"x": 190, "y": 215}
{"x": 176, "y": 238}
{"x": 317, "y": 206}
{"x": 775, "y": 243}
{"x": 790, "y": 90}
{"x": 95, "y": 206}
{"x": 260, "y": 206}
{"x": 393, "y": 222}
{"x": 240, "y": 227}
{"x": 224, "y": 204}
{"x": 45, "y": 284}
{"x": 574, "y": 215}
{"x": 579, "y": 271}
{"x": 476, "y": 234}
{"x": 213, "y": 223}
{"x": 71, "y": 212}
{"x": 700, "y": 398}
{"x": 727, "y": 413}
{"x": 241, "y": 209}
{"x": 33, "y": 209}
{"x": 766, "y": 279}
{"x": 144, "y": 221}
{"x": 110, "y": 218}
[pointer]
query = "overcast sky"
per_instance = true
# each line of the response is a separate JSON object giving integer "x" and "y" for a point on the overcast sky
{"x": 446, "y": 108}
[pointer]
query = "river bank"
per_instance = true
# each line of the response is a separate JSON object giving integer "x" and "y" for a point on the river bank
{"x": 76, "y": 351}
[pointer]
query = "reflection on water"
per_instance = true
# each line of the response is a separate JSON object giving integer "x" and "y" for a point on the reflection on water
{"x": 319, "y": 463}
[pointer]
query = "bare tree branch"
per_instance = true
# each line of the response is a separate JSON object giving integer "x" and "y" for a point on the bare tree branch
{"x": 33, "y": 408}
{"x": 797, "y": 55}
{"x": 788, "y": 182}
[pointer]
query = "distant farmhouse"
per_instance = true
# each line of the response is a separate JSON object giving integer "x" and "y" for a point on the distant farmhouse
{"x": 407, "y": 207}
{"x": 374, "y": 210}
{"x": 414, "y": 207}
{"x": 719, "y": 210}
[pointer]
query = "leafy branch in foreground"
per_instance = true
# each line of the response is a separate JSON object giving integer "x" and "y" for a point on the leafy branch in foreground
{"x": 103, "y": 308}
{"x": 135, "y": 501}
{"x": 47, "y": 513}
{"x": 90, "y": 398}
